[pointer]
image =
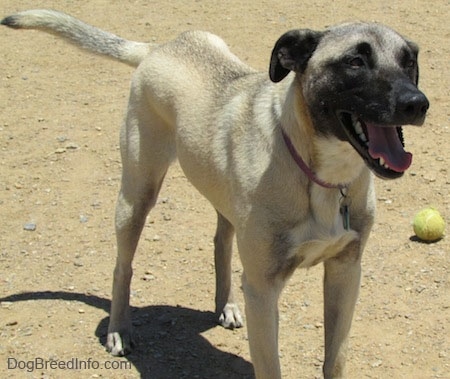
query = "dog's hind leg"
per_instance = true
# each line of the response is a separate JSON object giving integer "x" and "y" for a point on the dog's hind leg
{"x": 226, "y": 308}
{"x": 147, "y": 147}
{"x": 341, "y": 287}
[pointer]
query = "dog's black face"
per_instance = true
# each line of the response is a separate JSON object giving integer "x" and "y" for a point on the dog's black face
{"x": 360, "y": 84}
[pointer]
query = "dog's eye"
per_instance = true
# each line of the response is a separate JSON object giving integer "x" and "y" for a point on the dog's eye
{"x": 410, "y": 63}
{"x": 356, "y": 62}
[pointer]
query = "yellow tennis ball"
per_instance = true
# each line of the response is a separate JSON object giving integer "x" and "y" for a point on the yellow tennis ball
{"x": 429, "y": 225}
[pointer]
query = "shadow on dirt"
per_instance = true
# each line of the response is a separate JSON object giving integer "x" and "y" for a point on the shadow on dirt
{"x": 168, "y": 340}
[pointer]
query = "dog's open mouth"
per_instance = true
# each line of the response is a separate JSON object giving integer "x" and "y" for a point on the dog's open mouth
{"x": 380, "y": 146}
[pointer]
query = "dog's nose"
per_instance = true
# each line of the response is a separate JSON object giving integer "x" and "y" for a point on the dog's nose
{"x": 412, "y": 106}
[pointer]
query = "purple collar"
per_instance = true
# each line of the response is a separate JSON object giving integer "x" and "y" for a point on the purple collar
{"x": 301, "y": 163}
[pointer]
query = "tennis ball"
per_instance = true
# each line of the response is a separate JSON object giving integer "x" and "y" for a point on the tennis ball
{"x": 429, "y": 225}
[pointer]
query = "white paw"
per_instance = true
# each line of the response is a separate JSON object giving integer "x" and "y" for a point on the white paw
{"x": 230, "y": 317}
{"x": 119, "y": 344}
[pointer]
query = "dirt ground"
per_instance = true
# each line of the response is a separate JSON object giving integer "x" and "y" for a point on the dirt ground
{"x": 61, "y": 110}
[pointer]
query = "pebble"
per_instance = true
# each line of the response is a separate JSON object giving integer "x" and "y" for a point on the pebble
{"x": 377, "y": 363}
{"x": 26, "y": 332}
{"x": 72, "y": 146}
{"x": 421, "y": 288}
{"x": 30, "y": 226}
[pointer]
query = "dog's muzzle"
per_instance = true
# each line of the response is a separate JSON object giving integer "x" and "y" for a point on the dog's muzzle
{"x": 380, "y": 143}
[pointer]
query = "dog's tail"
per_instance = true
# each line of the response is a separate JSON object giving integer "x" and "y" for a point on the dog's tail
{"x": 82, "y": 35}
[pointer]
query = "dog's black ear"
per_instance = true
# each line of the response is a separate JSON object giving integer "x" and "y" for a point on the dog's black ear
{"x": 292, "y": 52}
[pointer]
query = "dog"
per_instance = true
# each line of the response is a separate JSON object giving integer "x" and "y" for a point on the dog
{"x": 286, "y": 159}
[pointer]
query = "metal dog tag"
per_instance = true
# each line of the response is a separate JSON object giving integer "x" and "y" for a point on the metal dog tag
{"x": 345, "y": 216}
{"x": 345, "y": 209}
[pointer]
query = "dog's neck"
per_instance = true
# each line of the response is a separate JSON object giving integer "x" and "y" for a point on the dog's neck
{"x": 328, "y": 162}
{"x": 295, "y": 119}
{"x": 305, "y": 168}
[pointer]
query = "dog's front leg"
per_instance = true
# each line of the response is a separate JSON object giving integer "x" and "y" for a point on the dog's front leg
{"x": 341, "y": 287}
{"x": 226, "y": 307}
{"x": 261, "y": 308}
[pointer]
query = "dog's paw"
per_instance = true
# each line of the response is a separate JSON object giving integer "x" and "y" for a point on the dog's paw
{"x": 230, "y": 317}
{"x": 119, "y": 344}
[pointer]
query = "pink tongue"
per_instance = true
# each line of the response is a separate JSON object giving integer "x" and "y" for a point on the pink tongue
{"x": 384, "y": 142}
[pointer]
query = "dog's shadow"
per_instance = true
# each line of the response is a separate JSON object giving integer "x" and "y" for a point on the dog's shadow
{"x": 168, "y": 340}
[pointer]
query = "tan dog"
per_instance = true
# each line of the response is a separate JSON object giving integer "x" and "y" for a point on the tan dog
{"x": 284, "y": 160}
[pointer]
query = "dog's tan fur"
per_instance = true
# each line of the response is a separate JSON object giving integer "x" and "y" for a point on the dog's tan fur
{"x": 192, "y": 99}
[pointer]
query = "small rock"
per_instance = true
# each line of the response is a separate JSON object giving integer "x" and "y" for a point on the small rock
{"x": 83, "y": 219}
{"x": 96, "y": 204}
{"x": 421, "y": 288}
{"x": 26, "y": 332}
{"x": 377, "y": 363}
{"x": 72, "y": 146}
{"x": 30, "y": 227}
{"x": 6, "y": 304}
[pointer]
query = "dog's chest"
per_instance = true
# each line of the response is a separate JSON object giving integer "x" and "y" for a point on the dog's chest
{"x": 325, "y": 233}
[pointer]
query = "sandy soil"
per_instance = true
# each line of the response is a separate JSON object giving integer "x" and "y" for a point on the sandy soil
{"x": 59, "y": 169}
